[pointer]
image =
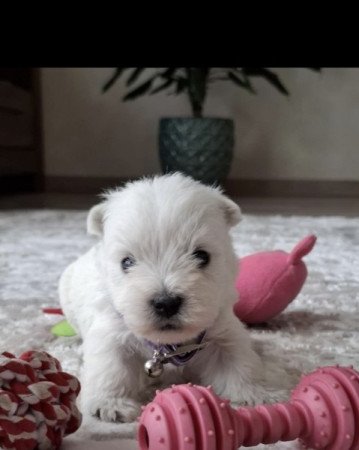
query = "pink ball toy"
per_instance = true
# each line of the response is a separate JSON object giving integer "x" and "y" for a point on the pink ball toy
{"x": 323, "y": 412}
{"x": 268, "y": 281}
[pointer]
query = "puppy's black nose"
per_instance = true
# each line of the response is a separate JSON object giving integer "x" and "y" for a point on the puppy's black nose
{"x": 167, "y": 305}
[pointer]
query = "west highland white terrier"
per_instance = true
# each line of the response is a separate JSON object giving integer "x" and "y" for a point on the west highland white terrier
{"x": 161, "y": 277}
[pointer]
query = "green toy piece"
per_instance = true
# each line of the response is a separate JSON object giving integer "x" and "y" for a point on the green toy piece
{"x": 63, "y": 328}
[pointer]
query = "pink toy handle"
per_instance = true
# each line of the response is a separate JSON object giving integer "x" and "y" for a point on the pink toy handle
{"x": 301, "y": 249}
{"x": 323, "y": 412}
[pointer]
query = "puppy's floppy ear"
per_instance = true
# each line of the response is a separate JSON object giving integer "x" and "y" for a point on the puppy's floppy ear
{"x": 232, "y": 212}
{"x": 95, "y": 220}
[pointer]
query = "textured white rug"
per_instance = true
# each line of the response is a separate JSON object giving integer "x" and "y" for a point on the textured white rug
{"x": 319, "y": 328}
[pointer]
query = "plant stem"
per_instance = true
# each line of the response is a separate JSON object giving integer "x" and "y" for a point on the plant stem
{"x": 197, "y": 88}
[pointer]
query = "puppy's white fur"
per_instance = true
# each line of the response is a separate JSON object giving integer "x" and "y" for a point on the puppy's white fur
{"x": 160, "y": 222}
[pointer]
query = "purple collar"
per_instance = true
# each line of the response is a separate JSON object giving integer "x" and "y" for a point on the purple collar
{"x": 177, "y": 360}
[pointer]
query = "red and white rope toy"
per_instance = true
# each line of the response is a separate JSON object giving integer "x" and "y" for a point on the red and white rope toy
{"x": 37, "y": 402}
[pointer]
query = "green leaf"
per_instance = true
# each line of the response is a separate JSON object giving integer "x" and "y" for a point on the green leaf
{"x": 182, "y": 84}
{"x": 115, "y": 76}
{"x": 164, "y": 85}
{"x": 168, "y": 73}
{"x": 134, "y": 75}
{"x": 243, "y": 83}
{"x": 271, "y": 77}
{"x": 140, "y": 90}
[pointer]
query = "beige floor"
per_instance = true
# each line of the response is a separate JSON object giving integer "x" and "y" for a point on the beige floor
{"x": 71, "y": 443}
{"x": 285, "y": 206}
{"x": 251, "y": 205}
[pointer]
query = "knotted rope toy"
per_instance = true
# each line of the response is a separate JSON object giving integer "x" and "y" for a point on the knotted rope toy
{"x": 323, "y": 412}
{"x": 37, "y": 402}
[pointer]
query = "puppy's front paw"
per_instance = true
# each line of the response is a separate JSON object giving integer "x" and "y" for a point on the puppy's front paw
{"x": 114, "y": 409}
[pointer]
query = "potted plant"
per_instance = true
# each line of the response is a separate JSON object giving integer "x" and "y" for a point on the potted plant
{"x": 198, "y": 146}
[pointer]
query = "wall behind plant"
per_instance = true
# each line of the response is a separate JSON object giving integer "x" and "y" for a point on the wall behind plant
{"x": 313, "y": 134}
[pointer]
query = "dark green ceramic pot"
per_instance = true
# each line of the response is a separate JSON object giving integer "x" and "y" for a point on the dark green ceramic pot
{"x": 199, "y": 147}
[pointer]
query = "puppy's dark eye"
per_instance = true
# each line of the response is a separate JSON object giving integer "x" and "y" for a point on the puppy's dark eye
{"x": 202, "y": 256}
{"x": 127, "y": 262}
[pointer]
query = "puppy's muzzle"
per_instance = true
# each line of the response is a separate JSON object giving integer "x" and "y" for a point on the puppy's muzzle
{"x": 166, "y": 306}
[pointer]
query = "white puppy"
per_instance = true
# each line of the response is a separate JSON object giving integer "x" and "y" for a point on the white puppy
{"x": 163, "y": 271}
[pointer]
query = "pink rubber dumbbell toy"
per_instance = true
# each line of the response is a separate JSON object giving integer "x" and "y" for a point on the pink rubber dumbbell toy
{"x": 323, "y": 412}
